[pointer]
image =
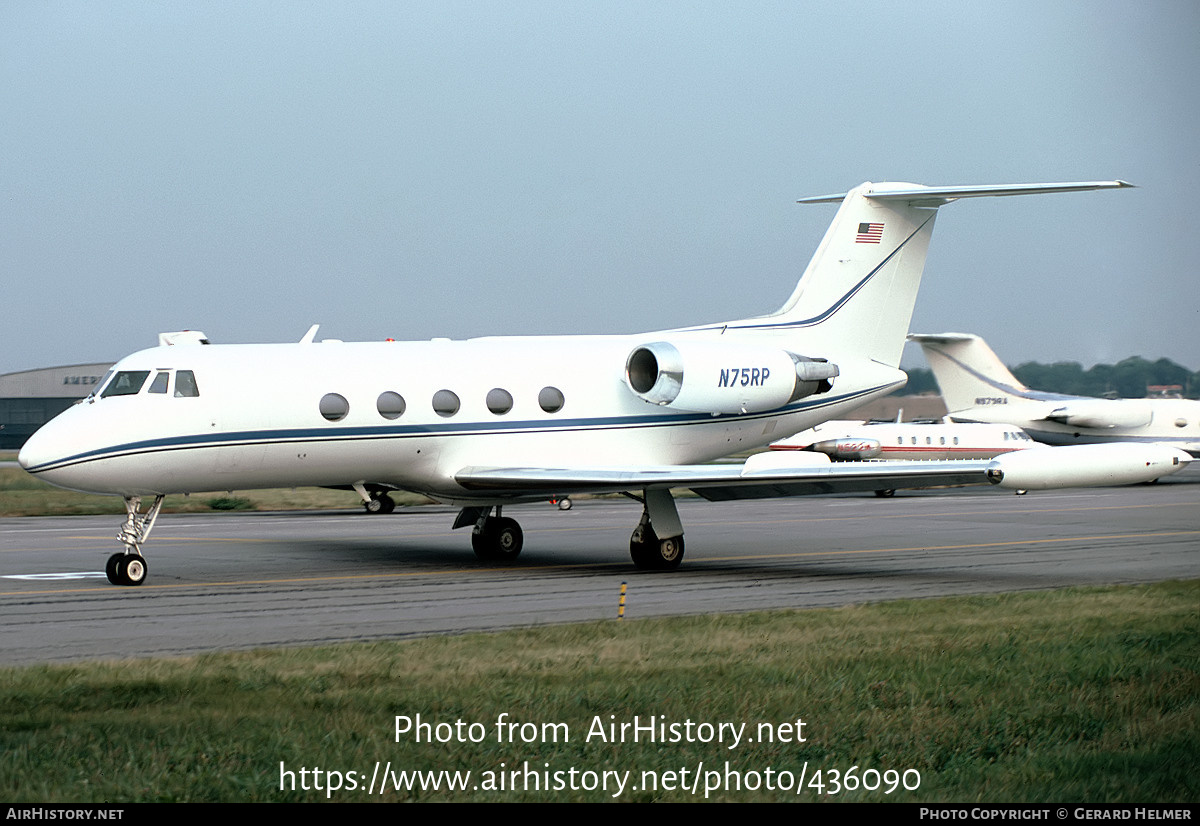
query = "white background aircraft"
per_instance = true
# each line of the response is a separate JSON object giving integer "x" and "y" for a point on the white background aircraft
{"x": 977, "y": 387}
{"x": 487, "y": 422}
{"x": 854, "y": 440}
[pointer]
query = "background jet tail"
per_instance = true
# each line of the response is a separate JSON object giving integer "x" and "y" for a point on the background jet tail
{"x": 967, "y": 371}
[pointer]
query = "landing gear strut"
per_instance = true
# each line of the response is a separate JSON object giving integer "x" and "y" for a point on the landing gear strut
{"x": 130, "y": 568}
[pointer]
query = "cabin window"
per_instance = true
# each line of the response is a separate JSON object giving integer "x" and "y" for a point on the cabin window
{"x": 955, "y": 440}
{"x": 185, "y": 384}
{"x": 1181, "y": 422}
{"x": 159, "y": 385}
{"x": 334, "y": 407}
{"x": 942, "y": 440}
{"x": 499, "y": 401}
{"x": 551, "y": 399}
{"x": 125, "y": 383}
{"x": 445, "y": 403}
{"x": 390, "y": 405}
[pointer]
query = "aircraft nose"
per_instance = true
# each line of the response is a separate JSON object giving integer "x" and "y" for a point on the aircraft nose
{"x": 33, "y": 453}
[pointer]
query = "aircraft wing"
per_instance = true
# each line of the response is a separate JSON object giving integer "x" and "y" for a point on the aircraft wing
{"x": 763, "y": 476}
{"x": 776, "y": 474}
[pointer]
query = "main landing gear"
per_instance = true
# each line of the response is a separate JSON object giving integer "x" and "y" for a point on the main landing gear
{"x": 493, "y": 538}
{"x": 375, "y": 501}
{"x": 129, "y": 568}
{"x": 656, "y": 543}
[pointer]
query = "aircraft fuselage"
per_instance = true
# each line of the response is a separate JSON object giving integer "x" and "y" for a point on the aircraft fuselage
{"x": 401, "y": 414}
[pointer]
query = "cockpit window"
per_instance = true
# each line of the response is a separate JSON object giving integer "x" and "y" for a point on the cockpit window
{"x": 185, "y": 384}
{"x": 125, "y": 383}
{"x": 159, "y": 385}
{"x": 100, "y": 386}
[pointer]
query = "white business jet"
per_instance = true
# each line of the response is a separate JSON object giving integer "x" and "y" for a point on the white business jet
{"x": 852, "y": 441}
{"x": 486, "y": 422}
{"x": 977, "y": 387}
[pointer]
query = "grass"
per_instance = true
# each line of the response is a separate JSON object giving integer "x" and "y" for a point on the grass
{"x": 23, "y": 495}
{"x": 1088, "y": 695}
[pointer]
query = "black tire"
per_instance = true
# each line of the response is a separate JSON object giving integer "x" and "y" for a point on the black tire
{"x": 642, "y": 556}
{"x": 654, "y": 554}
{"x": 500, "y": 540}
{"x": 112, "y": 569}
{"x": 509, "y": 539}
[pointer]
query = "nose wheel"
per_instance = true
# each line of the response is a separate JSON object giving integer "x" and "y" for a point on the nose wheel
{"x": 126, "y": 569}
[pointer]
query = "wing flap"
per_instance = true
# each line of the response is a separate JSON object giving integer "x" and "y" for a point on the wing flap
{"x": 764, "y": 478}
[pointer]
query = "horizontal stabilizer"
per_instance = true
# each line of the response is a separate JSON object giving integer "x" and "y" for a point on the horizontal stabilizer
{"x": 940, "y": 338}
{"x": 934, "y": 196}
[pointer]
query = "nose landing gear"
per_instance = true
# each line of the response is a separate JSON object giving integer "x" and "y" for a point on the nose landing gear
{"x": 130, "y": 568}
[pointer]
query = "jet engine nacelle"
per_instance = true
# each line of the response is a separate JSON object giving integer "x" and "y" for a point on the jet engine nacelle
{"x": 719, "y": 377}
{"x": 848, "y": 449}
{"x": 1119, "y": 463}
{"x": 1103, "y": 413}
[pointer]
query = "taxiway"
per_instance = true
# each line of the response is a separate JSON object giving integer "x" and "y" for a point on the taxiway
{"x": 236, "y": 581}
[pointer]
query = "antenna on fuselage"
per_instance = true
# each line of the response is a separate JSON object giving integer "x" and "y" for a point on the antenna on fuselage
{"x": 311, "y": 335}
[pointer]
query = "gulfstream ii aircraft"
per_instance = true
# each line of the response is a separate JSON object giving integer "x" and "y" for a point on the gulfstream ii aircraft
{"x": 977, "y": 387}
{"x": 487, "y": 422}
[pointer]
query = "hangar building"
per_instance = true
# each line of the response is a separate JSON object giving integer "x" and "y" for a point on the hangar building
{"x": 31, "y": 398}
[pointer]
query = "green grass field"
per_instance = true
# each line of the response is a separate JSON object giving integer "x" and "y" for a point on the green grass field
{"x": 1079, "y": 695}
{"x": 22, "y": 495}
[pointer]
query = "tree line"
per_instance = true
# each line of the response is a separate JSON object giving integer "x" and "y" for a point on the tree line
{"x": 1127, "y": 379}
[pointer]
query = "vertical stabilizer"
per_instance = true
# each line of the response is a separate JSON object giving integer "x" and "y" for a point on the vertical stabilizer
{"x": 861, "y": 285}
{"x": 967, "y": 370}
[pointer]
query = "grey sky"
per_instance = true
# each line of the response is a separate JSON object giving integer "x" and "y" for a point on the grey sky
{"x": 411, "y": 170}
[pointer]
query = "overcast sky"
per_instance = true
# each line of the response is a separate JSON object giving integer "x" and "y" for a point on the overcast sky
{"x": 411, "y": 170}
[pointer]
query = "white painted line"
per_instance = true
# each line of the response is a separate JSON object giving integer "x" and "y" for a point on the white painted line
{"x": 70, "y": 575}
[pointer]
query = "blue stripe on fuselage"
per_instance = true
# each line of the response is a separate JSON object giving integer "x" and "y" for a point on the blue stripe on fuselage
{"x": 355, "y": 433}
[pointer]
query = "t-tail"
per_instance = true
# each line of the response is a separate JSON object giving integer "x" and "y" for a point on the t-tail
{"x": 968, "y": 373}
{"x": 861, "y": 285}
